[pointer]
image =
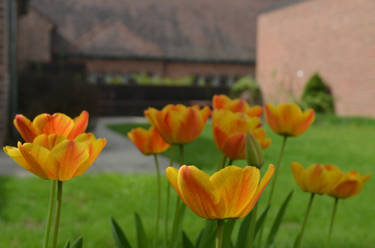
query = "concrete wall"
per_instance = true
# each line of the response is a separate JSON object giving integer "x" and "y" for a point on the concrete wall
{"x": 333, "y": 37}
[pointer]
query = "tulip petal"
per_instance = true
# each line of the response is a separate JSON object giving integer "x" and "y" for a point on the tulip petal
{"x": 15, "y": 154}
{"x": 48, "y": 141}
{"x": 262, "y": 185}
{"x": 70, "y": 156}
{"x": 307, "y": 119}
{"x": 237, "y": 187}
{"x": 198, "y": 192}
{"x": 25, "y": 128}
{"x": 235, "y": 145}
{"x": 95, "y": 147}
{"x": 37, "y": 158}
{"x": 172, "y": 175}
{"x": 80, "y": 125}
{"x": 298, "y": 173}
{"x": 54, "y": 124}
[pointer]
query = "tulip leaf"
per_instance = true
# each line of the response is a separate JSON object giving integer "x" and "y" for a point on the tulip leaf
{"x": 206, "y": 238}
{"x": 141, "y": 234}
{"x": 278, "y": 220}
{"x": 243, "y": 233}
{"x": 260, "y": 221}
{"x": 227, "y": 233}
{"x": 118, "y": 235}
{"x": 78, "y": 243}
{"x": 186, "y": 242}
{"x": 67, "y": 245}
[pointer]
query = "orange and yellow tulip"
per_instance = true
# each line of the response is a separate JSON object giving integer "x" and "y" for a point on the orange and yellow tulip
{"x": 57, "y": 123}
{"x": 317, "y": 178}
{"x": 350, "y": 184}
{"x": 229, "y": 131}
{"x": 148, "y": 141}
{"x": 287, "y": 119}
{"x": 229, "y": 193}
{"x": 178, "y": 124}
{"x": 236, "y": 105}
{"x": 55, "y": 157}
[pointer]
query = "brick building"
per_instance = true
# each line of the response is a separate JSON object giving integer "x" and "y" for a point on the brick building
{"x": 333, "y": 37}
{"x": 210, "y": 39}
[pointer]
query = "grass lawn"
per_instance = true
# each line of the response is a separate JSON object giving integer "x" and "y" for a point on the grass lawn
{"x": 91, "y": 199}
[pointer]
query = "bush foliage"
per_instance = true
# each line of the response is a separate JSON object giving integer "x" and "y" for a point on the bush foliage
{"x": 317, "y": 95}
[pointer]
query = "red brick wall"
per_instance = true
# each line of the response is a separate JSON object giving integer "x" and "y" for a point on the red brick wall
{"x": 4, "y": 76}
{"x": 34, "y": 38}
{"x": 333, "y": 37}
{"x": 165, "y": 69}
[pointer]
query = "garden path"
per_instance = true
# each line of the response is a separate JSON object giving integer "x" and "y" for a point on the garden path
{"x": 119, "y": 155}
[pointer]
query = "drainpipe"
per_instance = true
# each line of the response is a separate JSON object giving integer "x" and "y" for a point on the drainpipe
{"x": 13, "y": 85}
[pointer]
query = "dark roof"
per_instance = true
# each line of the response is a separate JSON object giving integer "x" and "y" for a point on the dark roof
{"x": 209, "y": 30}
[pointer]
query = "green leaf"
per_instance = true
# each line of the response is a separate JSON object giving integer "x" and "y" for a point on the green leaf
{"x": 141, "y": 234}
{"x": 67, "y": 245}
{"x": 260, "y": 221}
{"x": 227, "y": 235}
{"x": 207, "y": 236}
{"x": 118, "y": 235}
{"x": 278, "y": 220}
{"x": 243, "y": 233}
{"x": 78, "y": 243}
{"x": 186, "y": 242}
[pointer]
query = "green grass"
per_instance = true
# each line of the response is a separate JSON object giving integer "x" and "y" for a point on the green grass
{"x": 91, "y": 199}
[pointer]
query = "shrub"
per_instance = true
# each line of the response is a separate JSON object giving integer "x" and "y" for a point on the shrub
{"x": 317, "y": 95}
{"x": 247, "y": 85}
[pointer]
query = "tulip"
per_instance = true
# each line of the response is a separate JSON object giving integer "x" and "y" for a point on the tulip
{"x": 287, "y": 119}
{"x": 230, "y": 193}
{"x": 230, "y": 129}
{"x": 148, "y": 141}
{"x": 178, "y": 124}
{"x": 350, "y": 184}
{"x": 55, "y": 157}
{"x": 57, "y": 123}
{"x": 236, "y": 105}
{"x": 317, "y": 179}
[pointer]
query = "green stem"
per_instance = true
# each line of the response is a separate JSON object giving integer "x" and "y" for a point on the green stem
{"x": 223, "y": 162}
{"x": 219, "y": 234}
{"x": 180, "y": 209}
{"x": 51, "y": 207}
{"x": 58, "y": 211}
{"x": 158, "y": 176}
{"x": 274, "y": 179}
{"x": 252, "y": 226}
{"x": 300, "y": 236}
{"x": 332, "y": 221}
{"x": 166, "y": 233}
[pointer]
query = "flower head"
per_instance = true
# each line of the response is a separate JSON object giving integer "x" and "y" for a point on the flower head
{"x": 350, "y": 184}
{"x": 236, "y": 105}
{"x": 287, "y": 119}
{"x": 178, "y": 124}
{"x": 229, "y": 193}
{"x": 148, "y": 141}
{"x": 317, "y": 178}
{"x": 57, "y": 123}
{"x": 230, "y": 129}
{"x": 55, "y": 157}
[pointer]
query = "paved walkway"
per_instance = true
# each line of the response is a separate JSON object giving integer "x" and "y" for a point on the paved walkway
{"x": 119, "y": 155}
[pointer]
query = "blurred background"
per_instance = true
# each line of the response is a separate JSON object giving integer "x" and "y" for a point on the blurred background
{"x": 116, "y": 58}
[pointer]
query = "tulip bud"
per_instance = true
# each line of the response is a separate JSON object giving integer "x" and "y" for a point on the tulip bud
{"x": 254, "y": 153}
